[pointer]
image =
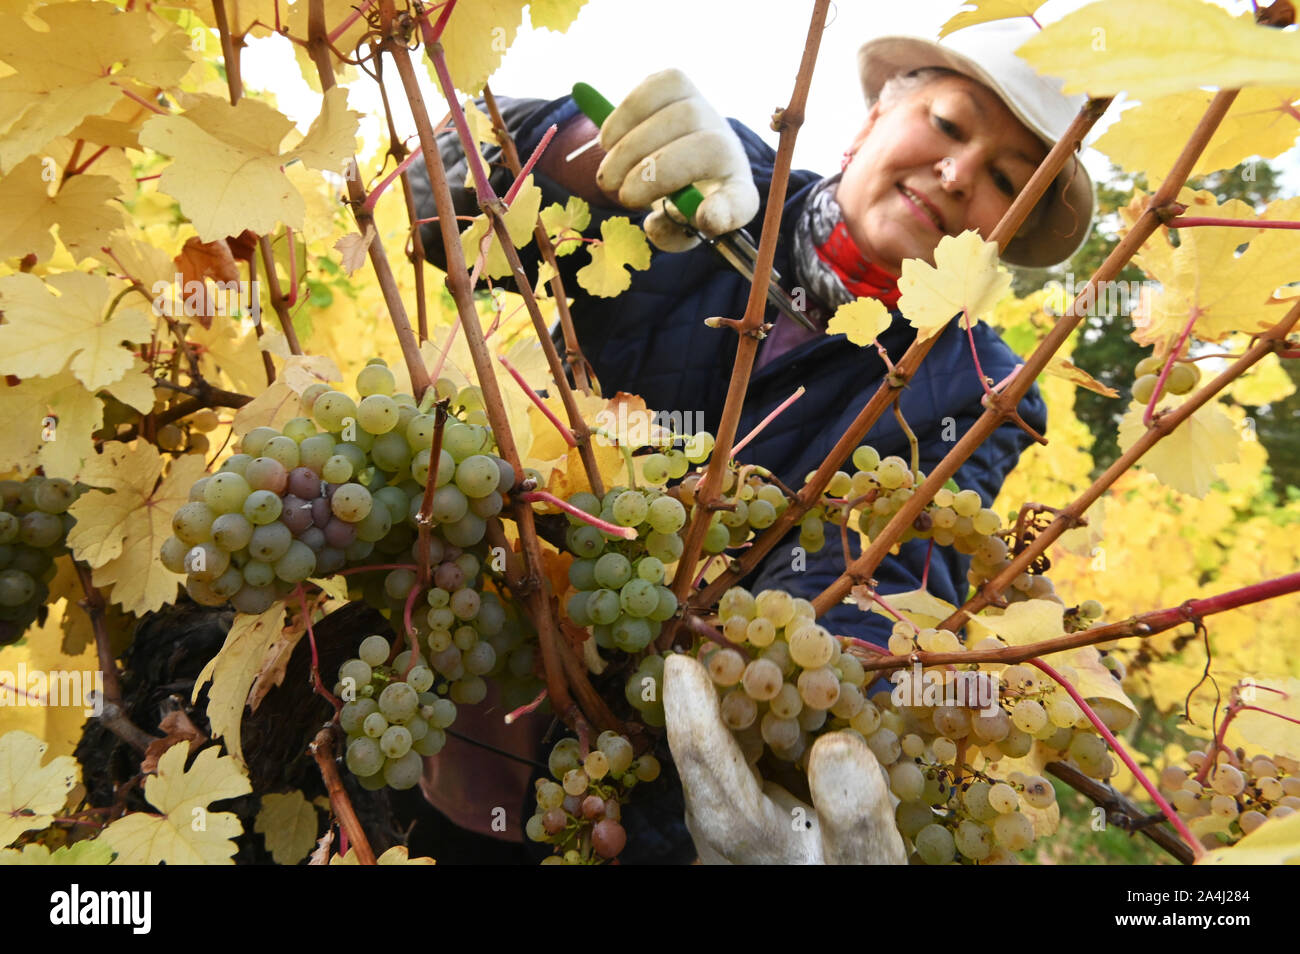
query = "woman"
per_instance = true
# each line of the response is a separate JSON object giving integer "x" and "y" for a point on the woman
{"x": 953, "y": 133}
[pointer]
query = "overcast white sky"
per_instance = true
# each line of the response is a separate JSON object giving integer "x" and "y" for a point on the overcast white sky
{"x": 742, "y": 54}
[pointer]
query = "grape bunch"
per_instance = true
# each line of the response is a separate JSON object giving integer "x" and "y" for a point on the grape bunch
{"x": 1183, "y": 376}
{"x": 341, "y": 488}
{"x": 579, "y": 809}
{"x": 391, "y": 718}
{"x": 34, "y": 524}
{"x": 1230, "y": 794}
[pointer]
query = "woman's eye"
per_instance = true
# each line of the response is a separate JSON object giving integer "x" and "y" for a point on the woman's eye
{"x": 1005, "y": 184}
{"x": 945, "y": 126}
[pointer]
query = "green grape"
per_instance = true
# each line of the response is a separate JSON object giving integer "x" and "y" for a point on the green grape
{"x": 396, "y": 741}
{"x": 667, "y": 605}
{"x": 1182, "y": 378}
{"x": 364, "y": 757}
{"x": 314, "y": 451}
{"x": 192, "y": 523}
{"x": 629, "y": 508}
{"x": 717, "y": 538}
{"x": 374, "y": 650}
{"x": 639, "y": 597}
{"x": 585, "y": 540}
{"x": 934, "y": 843}
{"x": 255, "y": 440}
{"x": 967, "y": 503}
{"x": 261, "y": 507}
{"x": 377, "y": 413}
{"x": 296, "y": 563}
{"x": 603, "y": 606}
{"x": 612, "y": 570}
{"x": 477, "y": 475}
{"x": 1144, "y": 388}
{"x": 390, "y": 452}
{"x": 333, "y": 410}
{"x": 311, "y": 393}
{"x": 225, "y": 492}
{"x": 699, "y": 446}
{"x": 588, "y": 503}
{"x": 648, "y": 568}
{"x": 460, "y": 440}
{"x": 866, "y": 458}
{"x": 1150, "y": 365}
{"x": 465, "y": 532}
{"x": 337, "y": 470}
{"x": 398, "y": 702}
{"x": 678, "y": 465}
{"x": 405, "y": 772}
{"x": 54, "y": 495}
{"x": 375, "y": 379}
{"x": 632, "y": 635}
{"x": 665, "y": 547}
{"x": 761, "y": 514}
{"x": 973, "y": 840}
{"x": 351, "y": 502}
{"x": 40, "y": 530}
{"x": 655, "y": 469}
{"x": 283, "y": 449}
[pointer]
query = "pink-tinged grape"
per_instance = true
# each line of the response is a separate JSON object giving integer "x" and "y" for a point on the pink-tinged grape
{"x": 269, "y": 543}
{"x": 262, "y": 507}
{"x": 263, "y": 473}
{"x": 297, "y": 563}
{"x": 311, "y": 393}
{"x": 304, "y": 482}
{"x": 726, "y": 666}
{"x": 465, "y": 603}
{"x": 339, "y": 533}
{"x": 192, "y": 523}
{"x": 377, "y": 413}
{"x": 375, "y": 379}
{"x": 254, "y": 441}
{"x": 477, "y": 475}
{"x": 608, "y": 838}
{"x": 283, "y": 449}
{"x": 449, "y": 577}
{"x": 351, "y": 502}
{"x": 225, "y": 492}
{"x": 333, "y": 409}
{"x": 295, "y": 513}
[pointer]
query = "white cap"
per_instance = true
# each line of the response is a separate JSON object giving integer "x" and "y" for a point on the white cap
{"x": 985, "y": 52}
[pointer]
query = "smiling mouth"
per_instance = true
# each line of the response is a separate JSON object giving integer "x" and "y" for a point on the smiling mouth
{"x": 920, "y": 203}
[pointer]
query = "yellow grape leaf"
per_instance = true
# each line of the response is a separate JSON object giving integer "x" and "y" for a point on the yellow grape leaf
{"x": 480, "y": 129}
{"x": 565, "y": 223}
{"x": 1227, "y": 292}
{"x": 119, "y": 533}
{"x": 1031, "y": 621}
{"x": 89, "y": 852}
{"x": 1259, "y": 732}
{"x": 557, "y": 15}
{"x": 1129, "y": 46}
{"x": 244, "y": 17}
{"x": 1148, "y": 138}
{"x": 74, "y": 69}
{"x": 232, "y": 671}
{"x": 274, "y": 407}
{"x": 965, "y": 277}
{"x": 1188, "y": 458}
{"x": 1064, "y": 368}
{"x": 1265, "y": 382}
{"x": 397, "y": 854}
{"x": 228, "y": 351}
{"x": 919, "y": 606}
{"x": 861, "y": 321}
{"x": 82, "y": 209}
{"x": 475, "y": 38}
{"x": 984, "y": 11}
{"x": 622, "y": 244}
{"x": 352, "y": 249}
{"x": 135, "y": 388}
{"x": 520, "y": 219}
{"x": 187, "y": 832}
{"x": 227, "y": 174}
{"x": 30, "y": 793}
{"x": 49, "y": 423}
{"x": 301, "y": 371}
{"x": 46, "y": 323}
{"x": 288, "y": 823}
{"x": 1276, "y": 842}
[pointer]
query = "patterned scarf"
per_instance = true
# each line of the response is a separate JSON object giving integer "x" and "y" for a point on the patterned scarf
{"x": 826, "y": 259}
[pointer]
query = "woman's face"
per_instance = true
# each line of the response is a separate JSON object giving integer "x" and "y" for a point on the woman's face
{"x": 951, "y": 123}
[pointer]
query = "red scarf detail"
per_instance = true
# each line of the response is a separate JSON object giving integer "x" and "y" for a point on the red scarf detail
{"x": 859, "y": 276}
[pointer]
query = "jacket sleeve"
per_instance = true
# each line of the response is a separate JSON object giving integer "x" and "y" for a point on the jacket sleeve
{"x": 808, "y": 574}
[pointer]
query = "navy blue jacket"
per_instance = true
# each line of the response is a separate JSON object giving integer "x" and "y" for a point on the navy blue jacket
{"x": 652, "y": 341}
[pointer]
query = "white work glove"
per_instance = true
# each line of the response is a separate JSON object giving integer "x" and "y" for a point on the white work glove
{"x": 733, "y": 818}
{"x": 664, "y": 136}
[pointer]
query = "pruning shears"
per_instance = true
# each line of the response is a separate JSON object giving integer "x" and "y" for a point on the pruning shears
{"x": 737, "y": 247}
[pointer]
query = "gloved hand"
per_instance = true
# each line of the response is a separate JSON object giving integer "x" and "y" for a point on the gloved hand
{"x": 666, "y": 121}
{"x": 733, "y": 818}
